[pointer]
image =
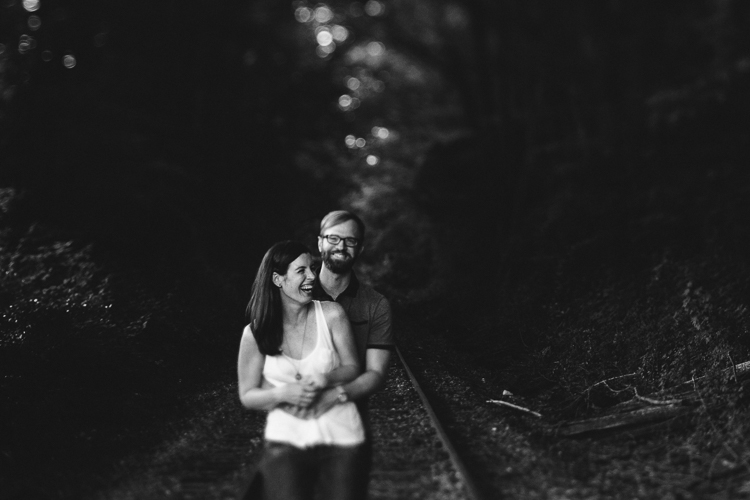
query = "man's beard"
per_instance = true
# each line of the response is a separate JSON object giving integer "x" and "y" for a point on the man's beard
{"x": 338, "y": 266}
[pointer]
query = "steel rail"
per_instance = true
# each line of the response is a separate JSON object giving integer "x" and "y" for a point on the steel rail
{"x": 472, "y": 490}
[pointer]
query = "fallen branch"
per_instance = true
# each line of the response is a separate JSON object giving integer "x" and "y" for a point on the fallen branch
{"x": 738, "y": 370}
{"x": 610, "y": 380}
{"x": 639, "y": 419}
{"x": 734, "y": 368}
{"x": 610, "y": 422}
{"x": 742, "y": 367}
{"x": 656, "y": 401}
{"x": 516, "y": 407}
{"x": 616, "y": 391}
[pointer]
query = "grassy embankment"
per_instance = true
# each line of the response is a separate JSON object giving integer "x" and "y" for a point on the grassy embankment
{"x": 97, "y": 354}
{"x": 630, "y": 266}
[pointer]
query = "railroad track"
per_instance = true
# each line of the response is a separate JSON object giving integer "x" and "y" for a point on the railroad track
{"x": 212, "y": 455}
{"x": 413, "y": 456}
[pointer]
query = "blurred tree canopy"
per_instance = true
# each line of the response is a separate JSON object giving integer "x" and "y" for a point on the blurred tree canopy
{"x": 204, "y": 129}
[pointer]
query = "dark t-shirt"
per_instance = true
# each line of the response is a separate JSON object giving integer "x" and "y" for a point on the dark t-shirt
{"x": 369, "y": 314}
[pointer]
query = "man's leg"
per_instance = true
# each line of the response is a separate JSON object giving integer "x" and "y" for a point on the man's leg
{"x": 288, "y": 472}
{"x": 341, "y": 473}
{"x": 363, "y": 472}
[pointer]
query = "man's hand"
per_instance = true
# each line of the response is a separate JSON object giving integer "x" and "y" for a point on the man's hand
{"x": 325, "y": 401}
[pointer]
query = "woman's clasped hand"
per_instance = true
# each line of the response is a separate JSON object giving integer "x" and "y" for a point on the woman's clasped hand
{"x": 306, "y": 391}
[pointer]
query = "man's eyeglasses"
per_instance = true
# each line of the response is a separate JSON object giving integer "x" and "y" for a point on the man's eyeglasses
{"x": 335, "y": 239}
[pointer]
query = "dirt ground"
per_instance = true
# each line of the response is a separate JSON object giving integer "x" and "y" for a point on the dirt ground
{"x": 513, "y": 454}
{"x": 518, "y": 455}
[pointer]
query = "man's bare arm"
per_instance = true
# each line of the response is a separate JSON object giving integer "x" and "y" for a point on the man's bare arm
{"x": 374, "y": 377}
{"x": 370, "y": 382}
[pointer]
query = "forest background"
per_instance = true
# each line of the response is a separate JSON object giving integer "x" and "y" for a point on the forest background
{"x": 567, "y": 176}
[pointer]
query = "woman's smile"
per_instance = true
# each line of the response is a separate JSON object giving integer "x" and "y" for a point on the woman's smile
{"x": 299, "y": 279}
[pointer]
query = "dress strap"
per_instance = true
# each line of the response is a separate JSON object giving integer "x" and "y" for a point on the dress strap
{"x": 324, "y": 333}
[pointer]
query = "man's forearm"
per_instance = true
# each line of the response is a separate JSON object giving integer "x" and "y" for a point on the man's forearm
{"x": 342, "y": 375}
{"x": 371, "y": 381}
{"x": 365, "y": 385}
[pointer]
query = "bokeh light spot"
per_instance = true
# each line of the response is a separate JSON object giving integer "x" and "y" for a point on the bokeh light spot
{"x": 356, "y": 54}
{"x": 31, "y": 5}
{"x": 69, "y": 61}
{"x": 324, "y": 37}
{"x": 380, "y": 132}
{"x": 34, "y": 22}
{"x": 340, "y": 34}
{"x": 378, "y": 86}
{"x": 375, "y": 49}
{"x": 323, "y": 14}
{"x": 303, "y": 14}
{"x": 372, "y": 160}
{"x": 353, "y": 83}
{"x": 360, "y": 142}
{"x": 325, "y": 50}
{"x": 25, "y": 44}
{"x": 350, "y": 141}
{"x": 455, "y": 17}
{"x": 355, "y": 103}
{"x": 345, "y": 101}
{"x": 374, "y": 8}
{"x": 47, "y": 56}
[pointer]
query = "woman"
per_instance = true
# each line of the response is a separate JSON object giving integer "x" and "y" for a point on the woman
{"x": 298, "y": 347}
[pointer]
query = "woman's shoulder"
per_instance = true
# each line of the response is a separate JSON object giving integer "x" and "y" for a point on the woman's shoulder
{"x": 332, "y": 310}
{"x": 247, "y": 335}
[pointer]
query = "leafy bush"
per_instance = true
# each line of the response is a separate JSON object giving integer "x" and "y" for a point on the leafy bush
{"x": 94, "y": 355}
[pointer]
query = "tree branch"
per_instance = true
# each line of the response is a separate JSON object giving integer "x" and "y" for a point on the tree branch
{"x": 516, "y": 407}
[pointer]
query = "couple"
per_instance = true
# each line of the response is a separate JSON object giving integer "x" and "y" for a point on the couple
{"x": 312, "y": 354}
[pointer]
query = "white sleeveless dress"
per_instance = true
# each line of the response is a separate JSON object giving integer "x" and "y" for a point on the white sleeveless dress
{"x": 341, "y": 425}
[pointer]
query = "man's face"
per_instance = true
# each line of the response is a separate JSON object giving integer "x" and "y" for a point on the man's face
{"x": 340, "y": 258}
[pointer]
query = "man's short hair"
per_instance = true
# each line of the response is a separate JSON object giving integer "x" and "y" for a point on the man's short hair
{"x": 339, "y": 217}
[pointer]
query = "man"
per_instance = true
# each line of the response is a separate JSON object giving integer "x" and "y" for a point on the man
{"x": 340, "y": 242}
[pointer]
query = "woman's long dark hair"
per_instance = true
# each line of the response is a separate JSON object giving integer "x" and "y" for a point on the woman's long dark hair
{"x": 264, "y": 309}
